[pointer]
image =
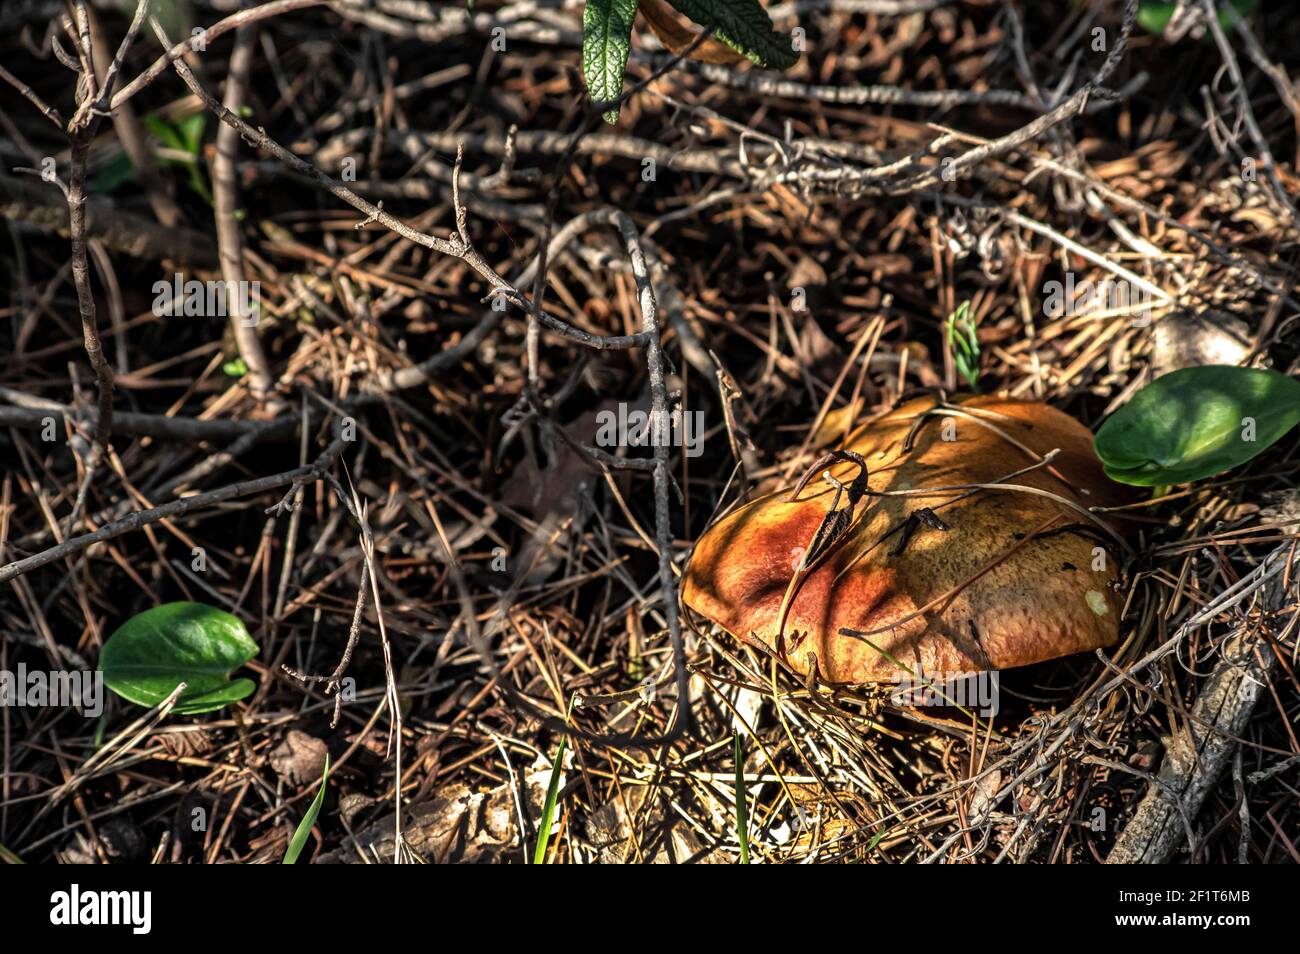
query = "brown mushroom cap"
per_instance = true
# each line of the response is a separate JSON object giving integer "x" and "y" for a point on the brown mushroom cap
{"x": 1015, "y": 579}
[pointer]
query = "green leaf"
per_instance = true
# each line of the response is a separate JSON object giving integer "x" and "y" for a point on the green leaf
{"x": 552, "y": 795}
{"x": 184, "y": 137}
{"x": 167, "y": 134}
{"x": 744, "y": 26}
{"x": 606, "y": 45}
{"x": 1197, "y": 422}
{"x": 964, "y": 344}
{"x": 303, "y": 831}
{"x": 191, "y": 132}
{"x": 876, "y": 839}
{"x": 199, "y": 645}
{"x": 742, "y": 815}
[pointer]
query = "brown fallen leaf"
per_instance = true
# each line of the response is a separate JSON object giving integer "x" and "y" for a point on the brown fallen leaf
{"x": 668, "y": 27}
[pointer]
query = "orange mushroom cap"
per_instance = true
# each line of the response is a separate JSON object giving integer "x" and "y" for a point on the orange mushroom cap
{"x": 1021, "y": 574}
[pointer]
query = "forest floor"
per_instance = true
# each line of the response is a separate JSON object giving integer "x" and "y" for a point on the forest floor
{"x": 391, "y": 455}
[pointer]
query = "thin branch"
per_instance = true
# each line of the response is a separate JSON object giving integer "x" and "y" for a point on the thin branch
{"x": 176, "y": 508}
{"x": 1247, "y": 113}
{"x": 230, "y": 244}
{"x": 454, "y": 247}
{"x": 220, "y": 28}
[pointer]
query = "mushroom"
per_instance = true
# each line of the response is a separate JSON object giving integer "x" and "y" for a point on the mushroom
{"x": 870, "y": 569}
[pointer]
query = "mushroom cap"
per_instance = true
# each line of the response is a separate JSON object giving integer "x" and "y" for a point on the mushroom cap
{"x": 1017, "y": 578}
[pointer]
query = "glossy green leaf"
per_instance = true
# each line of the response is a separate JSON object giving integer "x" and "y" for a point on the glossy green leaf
{"x": 303, "y": 831}
{"x": 744, "y": 26}
{"x": 199, "y": 645}
{"x": 1196, "y": 423}
{"x": 606, "y": 45}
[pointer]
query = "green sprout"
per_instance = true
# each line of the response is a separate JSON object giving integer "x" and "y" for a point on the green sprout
{"x": 303, "y": 831}
{"x": 552, "y": 796}
{"x": 742, "y": 820}
{"x": 964, "y": 344}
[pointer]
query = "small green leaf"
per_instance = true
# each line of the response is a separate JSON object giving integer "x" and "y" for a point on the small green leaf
{"x": 876, "y": 839}
{"x": 964, "y": 345}
{"x": 742, "y": 814}
{"x": 303, "y": 831}
{"x": 191, "y": 132}
{"x": 744, "y": 26}
{"x": 235, "y": 368}
{"x": 183, "y": 137}
{"x": 606, "y": 45}
{"x": 166, "y": 132}
{"x": 552, "y": 795}
{"x": 1196, "y": 423}
{"x": 199, "y": 645}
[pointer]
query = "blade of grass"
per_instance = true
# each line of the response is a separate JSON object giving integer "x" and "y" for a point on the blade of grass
{"x": 742, "y": 818}
{"x": 877, "y": 839}
{"x": 299, "y": 838}
{"x": 8, "y": 857}
{"x": 552, "y": 794}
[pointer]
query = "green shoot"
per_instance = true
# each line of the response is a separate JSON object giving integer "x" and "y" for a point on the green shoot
{"x": 552, "y": 795}
{"x": 742, "y": 820}
{"x": 301, "y": 834}
{"x": 964, "y": 345}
